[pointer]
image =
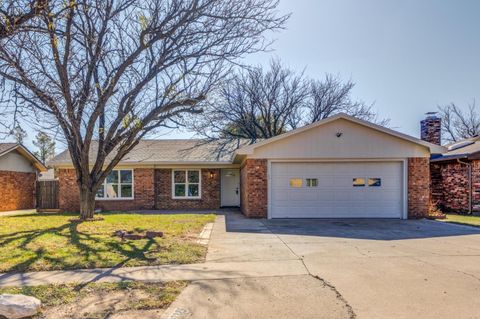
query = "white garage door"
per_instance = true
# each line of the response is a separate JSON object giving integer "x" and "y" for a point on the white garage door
{"x": 336, "y": 190}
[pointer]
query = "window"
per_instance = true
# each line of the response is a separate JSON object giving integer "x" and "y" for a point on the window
{"x": 186, "y": 184}
{"x": 296, "y": 182}
{"x": 374, "y": 182}
{"x": 358, "y": 182}
{"x": 117, "y": 185}
{"x": 312, "y": 182}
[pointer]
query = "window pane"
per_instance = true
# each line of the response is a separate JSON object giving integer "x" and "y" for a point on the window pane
{"x": 374, "y": 182}
{"x": 179, "y": 176}
{"x": 112, "y": 190}
{"x": 126, "y": 190}
{"x": 126, "y": 177}
{"x": 193, "y": 190}
{"x": 112, "y": 177}
{"x": 296, "y": 182}
{"x": 100, "y": 192}
{"x": 193, "y": 176}
{"x": 180, "y": 190}
{"x": 358, "y": 182}
{"x": 312, "y": 182}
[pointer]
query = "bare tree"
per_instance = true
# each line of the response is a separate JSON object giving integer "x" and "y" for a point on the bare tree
{"x": 253, "y": 104}
{"x": 458, "y": 124}
{"x": 331, "y": 96}
{"x": 256, "y": 104}
{"x": 116, "y": 70}
{"x": 15, "y": 15}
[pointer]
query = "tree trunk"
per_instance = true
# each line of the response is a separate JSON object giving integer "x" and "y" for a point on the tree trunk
{"x": 87, "y": 203}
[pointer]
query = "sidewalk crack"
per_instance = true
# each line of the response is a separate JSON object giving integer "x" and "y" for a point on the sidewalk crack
{"x": 324, "y": 282}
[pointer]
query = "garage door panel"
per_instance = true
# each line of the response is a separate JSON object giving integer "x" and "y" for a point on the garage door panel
{"x": 335, "y": 196}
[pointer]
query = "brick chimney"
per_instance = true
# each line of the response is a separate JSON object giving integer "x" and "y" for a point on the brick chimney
{"x": 431, "y": 128}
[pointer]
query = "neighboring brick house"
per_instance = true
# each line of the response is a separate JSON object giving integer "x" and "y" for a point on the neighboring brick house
{"x": 456, "y": 177}
{"x": 18, "y": 174}
{"x": 455, "y": 174}
{"x": 336, "y": 168}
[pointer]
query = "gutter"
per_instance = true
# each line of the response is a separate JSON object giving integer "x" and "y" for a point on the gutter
{"x": 470, "y": 185}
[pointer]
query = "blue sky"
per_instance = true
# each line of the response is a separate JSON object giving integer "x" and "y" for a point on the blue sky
{"x": 406, "y": 56}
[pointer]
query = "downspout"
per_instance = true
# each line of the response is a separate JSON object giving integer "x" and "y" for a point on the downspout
{"x": 470, "y": 185}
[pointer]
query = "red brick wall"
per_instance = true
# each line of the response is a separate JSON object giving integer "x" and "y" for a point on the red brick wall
{"x": 450, "y": 186}
{"x": 254, "y": 188}
{"x": 17, "y": 190}
{"x": 210, "y": 190}
{"x": 451, "y": 189}
{"x": 144, "y": 192}
{"x": 68, "y": 196}
{"x": 418, "y": 187}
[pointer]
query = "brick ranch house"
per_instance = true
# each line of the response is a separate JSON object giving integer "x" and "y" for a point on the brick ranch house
{"x": 455, "y": 174}
{"x": 18, "y": 173}
{"x": 338, "y": 167}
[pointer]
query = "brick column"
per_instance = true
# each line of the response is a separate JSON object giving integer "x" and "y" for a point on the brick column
{"x": 254, "y": 188}
{"x": 68, "y": 193}
{"x": 418, "y": 187}
{"x": 476, "y": 185}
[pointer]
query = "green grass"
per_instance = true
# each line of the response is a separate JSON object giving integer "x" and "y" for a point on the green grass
{"x": 154, "y": 295}
{"x": 51, "y": 242}
{"x": 463, "y": 219}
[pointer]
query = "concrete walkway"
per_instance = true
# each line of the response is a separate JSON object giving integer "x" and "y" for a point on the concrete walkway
{"x": 205, "y": 271}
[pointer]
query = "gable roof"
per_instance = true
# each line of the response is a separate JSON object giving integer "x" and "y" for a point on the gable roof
{"x": 6, "y": 148}
{"x": 436, "y": 149}
{"x": 158, "y": 152}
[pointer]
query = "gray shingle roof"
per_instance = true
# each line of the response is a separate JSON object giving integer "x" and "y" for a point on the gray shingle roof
{"x": 461, "y": 149}
{"x": 162, "y": 152}
{"x": 467, "y": 149}
{"x": 6, "y": 146}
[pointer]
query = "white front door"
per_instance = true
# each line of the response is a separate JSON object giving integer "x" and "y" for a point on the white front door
{"x": 337, "y": 190}
{"x": 230, "y": 187}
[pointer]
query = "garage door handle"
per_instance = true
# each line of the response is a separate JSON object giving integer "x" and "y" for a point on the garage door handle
{"x": 236, "y": 191}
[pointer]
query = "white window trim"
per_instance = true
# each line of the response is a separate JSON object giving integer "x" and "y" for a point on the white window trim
{"x": 187, "y": 183}
{"x": 119, "y": 189}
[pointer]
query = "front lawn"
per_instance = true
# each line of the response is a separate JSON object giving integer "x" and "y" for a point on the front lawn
{"x": 102, "y": 300}
{"x": 37, "y": 242}
{"x": 463, "y": 219}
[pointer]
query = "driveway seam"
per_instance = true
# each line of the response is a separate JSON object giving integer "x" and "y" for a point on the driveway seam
{"x": 323, "y": 281}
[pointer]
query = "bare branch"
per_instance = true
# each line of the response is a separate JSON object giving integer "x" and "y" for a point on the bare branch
{"x": 458, "y": 124}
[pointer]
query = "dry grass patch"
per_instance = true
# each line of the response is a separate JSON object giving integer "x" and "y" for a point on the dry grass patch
{"x": 103, "y": 300}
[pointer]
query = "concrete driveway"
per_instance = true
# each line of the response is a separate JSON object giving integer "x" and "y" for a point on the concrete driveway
{"x": 354, "y": 268}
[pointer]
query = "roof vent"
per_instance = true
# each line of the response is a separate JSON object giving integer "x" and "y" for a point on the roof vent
{"x": 460, "y": 144}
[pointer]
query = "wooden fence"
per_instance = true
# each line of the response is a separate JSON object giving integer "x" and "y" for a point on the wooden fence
{"x": 47, "y": 195}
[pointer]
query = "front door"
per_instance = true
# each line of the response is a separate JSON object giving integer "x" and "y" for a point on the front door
{"x": 230, "y": 187}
